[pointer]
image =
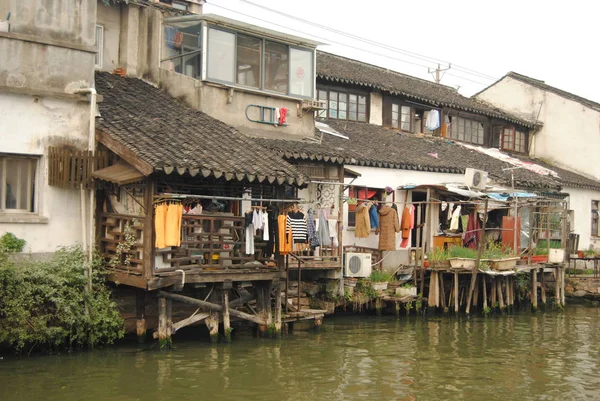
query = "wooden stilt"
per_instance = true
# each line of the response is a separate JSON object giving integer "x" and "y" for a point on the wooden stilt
{"x": 485, "y": 299}
{"x": 212, "y": 321}
{"x": 379, "y": 306}
{"x": 278, "y": 313}
{"x": 508, "y": 292}
{"x": 476, "y": 292}
{"x": 432, "y": 296}
{"x": 500, "y": 297}
{"x": 226, "y": 320}
{"x": 140, "y": 316}
{"x": 442, "y": 291}
{"x": 562, "y": 286}
{"x": 493, "y": 292}
{"x": 397, "y": 306}
{"x": 318, "y": 323}
{"x": 543, "y": 288}
{"x": 456, "y": 292}
{"x": 480, "y": 247}
{"x": 163, "y": 332}
{"x": 534, "y": 296}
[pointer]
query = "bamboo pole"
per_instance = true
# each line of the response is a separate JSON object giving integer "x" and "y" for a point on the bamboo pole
{"x": 226, "y": 319}
{"x": 478, "y": 261}
{"x": 476, "y": 293}
{"x": 543, "y": 288}
{"x": 442, "y": 290}
{"x": 534, "y": 297}
{"x": 456, "y": 292}
{"x": 485, "y": 301}
{"x": 499, "y": 289}
{"x": 493, "y": 292}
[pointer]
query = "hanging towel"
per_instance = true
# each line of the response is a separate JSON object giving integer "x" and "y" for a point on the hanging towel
{"x": 282, "y": 115}
{"x": 373, "y": 217}
{"x": 433, "y": 120}
{"x": 160, "y": 218}
{"x": 472, "y": 233}
{"x": 455, "y": 219}
{"x": 286, "y": 240}
{"x": 332, "y": 223}
{"x": 313, "y": 239}
{"x": 323, "y": 230}
{"x": 265, "y": 226}
{"x": 173, "y": 225}
{"x": 250, "y": 240}
{"x": 256, "y": 221}
{"x": 362, "y": 227}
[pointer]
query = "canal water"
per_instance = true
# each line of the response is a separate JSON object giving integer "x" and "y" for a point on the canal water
{"x": 546, "y": 356}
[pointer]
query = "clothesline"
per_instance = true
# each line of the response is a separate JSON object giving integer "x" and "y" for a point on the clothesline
{"x": 217, "y": 197}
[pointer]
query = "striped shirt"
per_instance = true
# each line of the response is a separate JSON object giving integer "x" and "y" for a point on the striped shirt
{"x": 299, "y": 228}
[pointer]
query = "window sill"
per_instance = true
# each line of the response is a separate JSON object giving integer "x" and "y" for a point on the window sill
{"x": 254, "y": 91}
{"x": 22, "y": 218}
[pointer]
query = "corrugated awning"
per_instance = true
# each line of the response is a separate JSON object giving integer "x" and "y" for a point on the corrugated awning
{"x": 120, "y": 174}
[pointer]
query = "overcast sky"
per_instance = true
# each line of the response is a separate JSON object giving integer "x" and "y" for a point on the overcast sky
{"x": 552, "y": 40}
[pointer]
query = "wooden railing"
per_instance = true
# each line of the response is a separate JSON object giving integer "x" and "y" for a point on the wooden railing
{"x": 121, "y": 241}
{"x": 208, "y": 242}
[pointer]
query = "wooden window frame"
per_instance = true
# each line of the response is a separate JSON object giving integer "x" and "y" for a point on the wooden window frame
{"x": 32, "y": 184}
{"x": 469, "y": 128}
{"x": 394, "y": 112}
{"x": 347, "y": 95}
{"x": 509, "y": 136}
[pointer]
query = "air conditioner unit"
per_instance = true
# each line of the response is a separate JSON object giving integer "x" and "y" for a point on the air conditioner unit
{"x": 357, "y": 265}
{"x": 475, "y": 178}
{"x": 313, "y": 104}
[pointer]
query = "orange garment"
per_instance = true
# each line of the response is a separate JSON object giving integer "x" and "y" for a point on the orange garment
{"x": 160, "y": 216}
{"x": 407, "y": 224}
{"x": 286, "y": 241}
{"x": 173, "y": 225}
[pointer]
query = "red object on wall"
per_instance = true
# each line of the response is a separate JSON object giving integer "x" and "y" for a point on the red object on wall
{"x": 282, "y": 115}
{"x": 508, "y": 230}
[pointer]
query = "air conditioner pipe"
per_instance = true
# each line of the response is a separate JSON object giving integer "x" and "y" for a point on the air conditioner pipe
{"x": 88, "y": 238}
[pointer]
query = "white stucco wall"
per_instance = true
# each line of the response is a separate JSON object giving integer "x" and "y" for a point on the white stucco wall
{"x": 570, "y": 136}
{"x": 580, "y": 201}
{"x": 27, "y": 127}
{"x": 375, "y": 108}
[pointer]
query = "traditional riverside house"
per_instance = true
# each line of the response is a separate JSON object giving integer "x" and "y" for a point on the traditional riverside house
{"x": 569, "y": 137}
{"x": 381, "y": 118}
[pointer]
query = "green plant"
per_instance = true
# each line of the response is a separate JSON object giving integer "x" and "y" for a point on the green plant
{"x": 352, "y": 201}
{"x": 11, "y": 243}
{"x": 378, "y": 276}
{"x": 494, "y": 250}
{"x": 43, "y": 303}
{"x": 589, "y": 253}
{"x": 438, "y": 255}
{"x": 540, "y": 251}
{"x": 419, "y": 302}
{"x": 122, "y": 253}
{"x": 460, "y": 252}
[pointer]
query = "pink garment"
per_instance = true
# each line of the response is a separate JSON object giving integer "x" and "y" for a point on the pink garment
{"x": 282, "y": 115}
{"x": 404, "y": 242}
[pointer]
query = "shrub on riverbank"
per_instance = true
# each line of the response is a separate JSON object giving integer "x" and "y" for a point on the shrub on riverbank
{"x": 44, "y": 304}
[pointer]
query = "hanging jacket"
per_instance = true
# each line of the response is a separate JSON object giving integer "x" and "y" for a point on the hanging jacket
{"x": 323, "y": 231}
{"x": 374, "y": 217}
{"x": 389, "y": 226}
{"x": 286, "y": 242}
{"x": 313, "y": 239}
{"x": 362, "y": 227}
{"x": 407, "y": 224}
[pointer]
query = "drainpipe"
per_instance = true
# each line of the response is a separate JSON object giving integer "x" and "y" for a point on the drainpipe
{"x": 88, "y": 237}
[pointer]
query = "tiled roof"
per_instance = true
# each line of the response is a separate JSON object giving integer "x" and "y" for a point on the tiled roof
{"x": 376, "y": 146}
{"x": 343, "y": 70}
{"x": 168, "y": 135}
{"x": 543, "y": 86}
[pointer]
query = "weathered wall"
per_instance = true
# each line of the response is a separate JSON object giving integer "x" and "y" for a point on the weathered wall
{"x": 214, "y": 101}
{"x": 375, "y": 108}
{"x": 29, "y": 126}
{"x": 110, "y": 19}
{"x": 580, "y": 201}
{"x": 571, "y": 133}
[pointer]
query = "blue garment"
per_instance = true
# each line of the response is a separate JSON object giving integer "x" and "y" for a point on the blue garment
{"x": 313, "y": 239}
{"x": 374, "y": 217}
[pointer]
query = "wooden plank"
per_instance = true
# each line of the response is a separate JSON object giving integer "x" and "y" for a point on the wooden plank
{"x": 211, "y": 306}
{"x": 124, "y": 152}
{"x": 127, "y": 279}
{"x": 198, "y": 317}
{"x": 148, "y": 231}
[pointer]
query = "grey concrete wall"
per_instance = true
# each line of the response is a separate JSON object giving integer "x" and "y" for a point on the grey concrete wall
{"x": 64, "y": 20}
{"x": 110, "y": 19}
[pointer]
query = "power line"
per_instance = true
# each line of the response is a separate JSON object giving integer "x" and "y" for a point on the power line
{"x": 338, "y": 43}
{"x": 372, "y": 42}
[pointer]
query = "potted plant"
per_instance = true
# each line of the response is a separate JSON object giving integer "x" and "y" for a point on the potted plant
{"x": 540, "y": 255}
{"x": 462, "y": 258}
{"x": 380, "y": 280}
{"x": 352, "y": 202}
{"x": 406, "y": 290}
{"x": 438, "y": 258}
{"x": 499, "y": 258}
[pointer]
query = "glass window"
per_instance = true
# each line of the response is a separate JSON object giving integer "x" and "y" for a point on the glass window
{"x": 322, "y": 96}
{"x": 276, "y": 67}
{"x": 221, "y": 55}
{"x": 520, "y": 145}
{"x": 301, "y": 79}
{"x": 249, "y": 51}
{"x": 466, "y": 130}
{"x": 344, "y": 106}
{"x": 507, "y": 139}
{"x": 595, "y": 211}
{"x": 395, "y": 115}
{"x": 405, "y": 117}
{"x": 99, "y": 46}
{"x": 362, "y": 108}
{"x": 333, "y": 105}
{"x": 17, "y": 183}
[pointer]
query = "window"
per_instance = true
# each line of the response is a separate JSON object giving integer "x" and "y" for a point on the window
{"x": 245, "y": 60}
{"x": 179, "y": 5}
{"x": 463, "y": 129}
{"x": 397, "y": 116}
{"x": 249, "y": 51}
{"x": 508, "y": 138}
{"x": 276, "y": 67}
{"x": 99, "y": 46}
{"x": 343, "y": 106}
{"x": 17, "y": 184}
{"x": 362, "y": 194}
{"x": 183, "y": 51}
{"x": 595, "y": 211}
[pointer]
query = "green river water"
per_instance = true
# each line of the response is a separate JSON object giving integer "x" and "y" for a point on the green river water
{"x": 544, "y": 356}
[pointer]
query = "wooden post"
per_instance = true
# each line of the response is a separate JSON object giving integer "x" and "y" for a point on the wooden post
{"x": 148, "y": 231}
{"x": 480, "y": 247}
{"x": 318, "y": 322}
{"x": 140, "y": 315}
{"x": 456, "y": 292}
{"x": 212, "y": 321}
{"x": 485, "y": 301}
{"x": 397, "y": 305}
{"x": 493, "y": 293}
{"x": 164, "y": 338}
{"x": 562, "y": 286}
{"x": 442, "y": 290}
{"x": 278, "y": 314}
{"x": 263, "y": 303}
{"x": 534, "y": 300}
{"x": 425, "y": 241}
{"x": 499, "y": 289}
{"x": 379, "y": 306}
{"x": 543, "y": 288}
{"x": 226, "y": 320}
{"x": 476, "y": 293}
{"x": 432, "y": 297}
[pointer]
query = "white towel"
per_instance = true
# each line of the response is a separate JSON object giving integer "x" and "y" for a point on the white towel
{"x": 265, "y": 226}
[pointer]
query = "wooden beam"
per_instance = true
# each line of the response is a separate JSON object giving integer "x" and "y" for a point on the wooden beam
{"x": 128, "y": 279}
{"x": 226, "y": 320}
{"x": 124, "y": 152}
{"x": 211, "y": 277}
{"x": 148, "y": 232}
{"x": 198, "y": 317}
{"x": 210, "y": 306}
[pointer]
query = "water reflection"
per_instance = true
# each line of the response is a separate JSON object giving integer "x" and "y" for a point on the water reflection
{"x": 545, "y": 356}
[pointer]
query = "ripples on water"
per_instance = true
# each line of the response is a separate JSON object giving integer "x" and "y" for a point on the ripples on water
{"x": 547, "y": 356}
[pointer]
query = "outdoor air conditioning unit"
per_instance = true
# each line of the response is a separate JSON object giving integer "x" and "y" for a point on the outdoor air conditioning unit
{"x": 357, "y": 265}
{"x": 475, "y": 178}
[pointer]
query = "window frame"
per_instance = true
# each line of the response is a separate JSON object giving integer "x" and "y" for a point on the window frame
{"x": 595, "y": 218}
{"x": 395, "y": 118}
{"x": 32, "y": 188}
{"x": 348, "y": 94}
{"x": 458, "y": 121}
{"x": 99, "y": 46}
{"x": 262, "y": 86}
{"x": 500, "y": 139}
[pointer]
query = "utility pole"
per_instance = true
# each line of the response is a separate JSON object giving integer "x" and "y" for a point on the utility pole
{"x": 437, "y": 72}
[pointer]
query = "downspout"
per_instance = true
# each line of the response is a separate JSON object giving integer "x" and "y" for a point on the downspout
{"x": 88, "y": 237}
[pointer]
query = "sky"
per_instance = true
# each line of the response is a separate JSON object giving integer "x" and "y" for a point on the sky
{"x": 554, "y": 41}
